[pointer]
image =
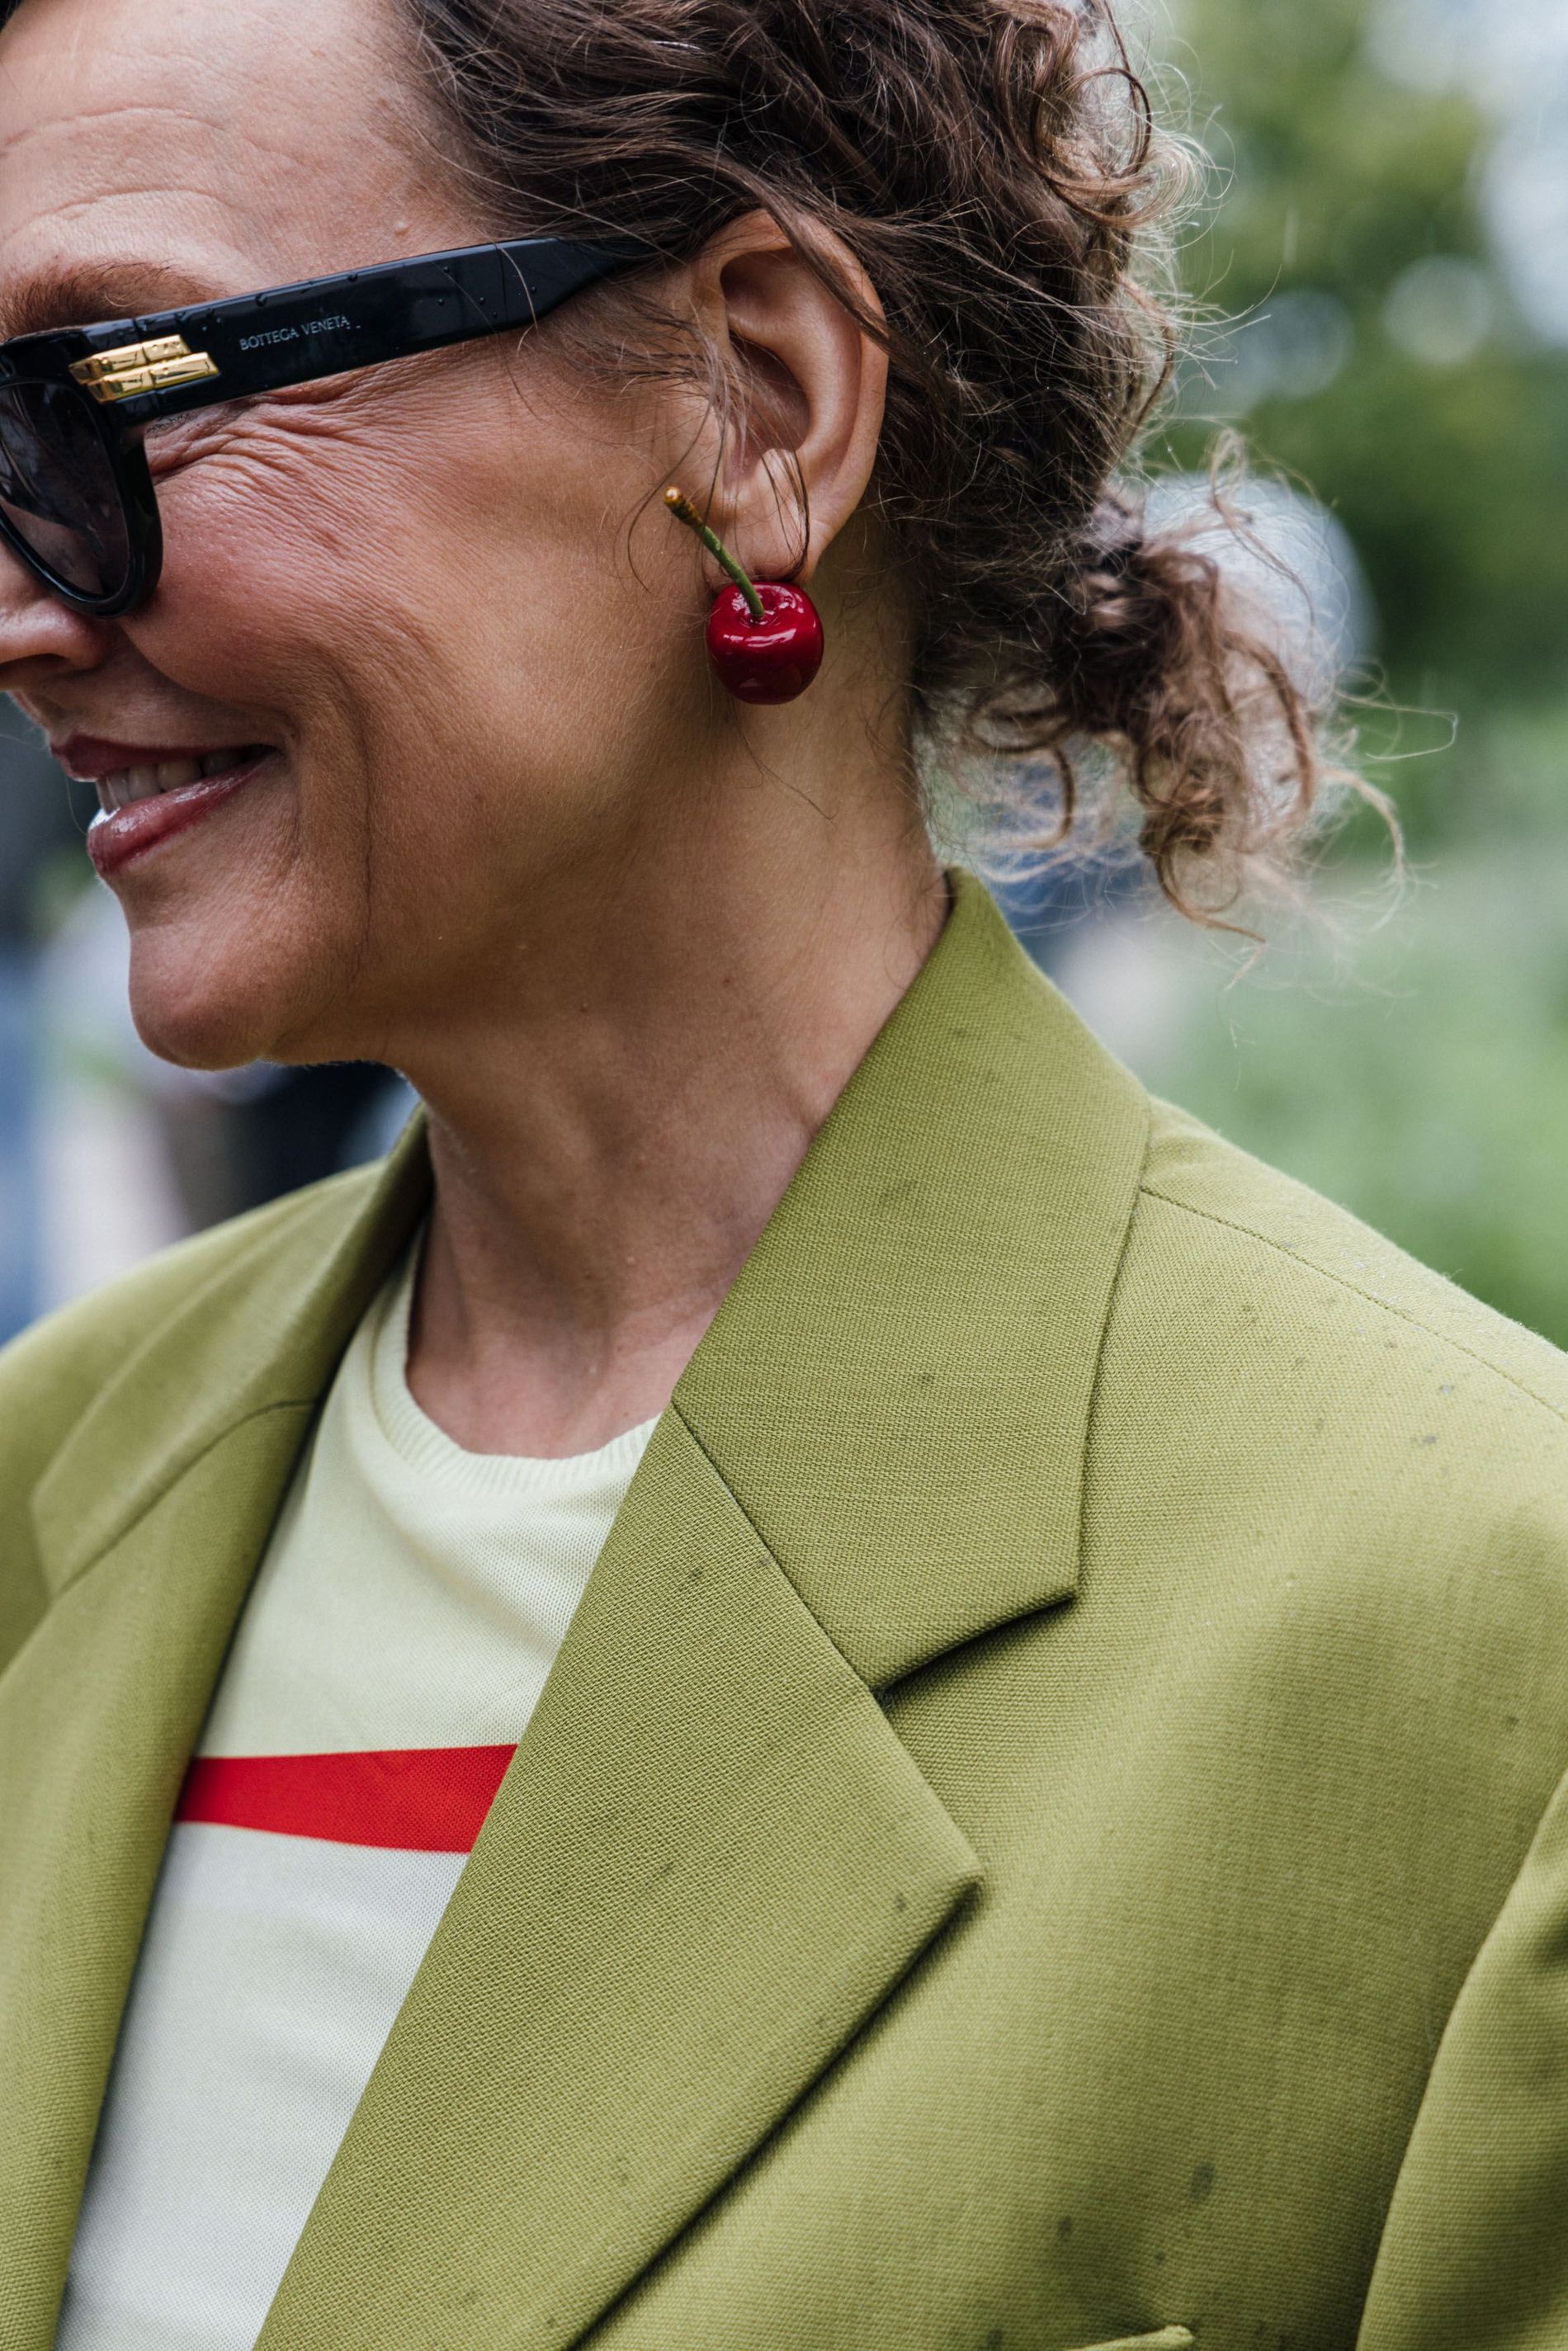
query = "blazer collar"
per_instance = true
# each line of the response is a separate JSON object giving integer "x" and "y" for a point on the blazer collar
{"x": 712, "y": 1858}
{"x": 897, "y": 1389}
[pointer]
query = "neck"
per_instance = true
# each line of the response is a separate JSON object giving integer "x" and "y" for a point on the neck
{"x": 613, "y": 1126}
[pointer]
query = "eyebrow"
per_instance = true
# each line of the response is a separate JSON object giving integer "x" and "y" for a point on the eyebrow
{"x": 94, "y": 293}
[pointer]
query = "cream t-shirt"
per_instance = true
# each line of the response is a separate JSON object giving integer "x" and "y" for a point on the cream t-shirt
{"x": 412, "y": 1601}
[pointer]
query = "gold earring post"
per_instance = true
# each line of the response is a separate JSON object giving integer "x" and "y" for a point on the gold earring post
{"x": 681, "y": 507}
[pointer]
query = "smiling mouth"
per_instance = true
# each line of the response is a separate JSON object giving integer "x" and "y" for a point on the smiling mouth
{"x": 150, "y": 801}
{"x": 127, "y": 785}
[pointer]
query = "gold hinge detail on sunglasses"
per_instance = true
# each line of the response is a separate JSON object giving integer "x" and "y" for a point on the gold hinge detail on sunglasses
{"x": 136, "y": 368}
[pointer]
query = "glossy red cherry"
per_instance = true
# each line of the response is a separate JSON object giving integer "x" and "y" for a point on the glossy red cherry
{"x": 764, "y": 637}
{"x": 770, "y": 660}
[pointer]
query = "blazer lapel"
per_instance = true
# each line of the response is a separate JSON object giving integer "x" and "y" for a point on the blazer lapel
{"x": 712, "y": 1858}
{"x": 151, "y": 1521}
{"x": 710, "y": 1862}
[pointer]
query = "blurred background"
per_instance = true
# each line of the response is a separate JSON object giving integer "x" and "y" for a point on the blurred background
{"x": 1388, "y": 230}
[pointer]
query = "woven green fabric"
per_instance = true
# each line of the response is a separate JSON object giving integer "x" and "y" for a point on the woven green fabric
{"x": 1044, "y": 1832}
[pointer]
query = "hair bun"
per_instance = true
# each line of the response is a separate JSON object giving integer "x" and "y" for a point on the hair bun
{"x": 1152, "y": 659}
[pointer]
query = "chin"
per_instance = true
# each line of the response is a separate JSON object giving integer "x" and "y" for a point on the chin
{"x": 201, "y": 1007}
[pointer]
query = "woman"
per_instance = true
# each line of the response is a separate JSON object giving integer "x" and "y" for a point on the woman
{"x": 1038, "y": 1828}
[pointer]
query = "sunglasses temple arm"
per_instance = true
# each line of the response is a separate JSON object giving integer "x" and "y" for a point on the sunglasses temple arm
{"x": 302, "y": 334}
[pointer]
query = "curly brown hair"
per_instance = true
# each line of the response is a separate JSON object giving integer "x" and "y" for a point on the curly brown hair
{"x": 996, "y": 168}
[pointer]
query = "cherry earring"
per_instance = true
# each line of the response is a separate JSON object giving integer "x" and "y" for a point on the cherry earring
{"x": 764, "y": 637}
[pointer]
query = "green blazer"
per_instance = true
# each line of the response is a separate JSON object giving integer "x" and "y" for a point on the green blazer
{"x": 1044, "y": 1831}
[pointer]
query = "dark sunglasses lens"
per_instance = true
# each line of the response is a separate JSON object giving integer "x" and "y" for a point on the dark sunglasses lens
{"x": 58, "y": 490}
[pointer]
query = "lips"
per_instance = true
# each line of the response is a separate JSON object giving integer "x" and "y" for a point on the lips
{"x": 123, "y": 772}
{"x": 146, "y": 793}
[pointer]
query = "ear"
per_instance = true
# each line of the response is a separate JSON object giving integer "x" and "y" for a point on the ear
{"x": 811, "y": 390}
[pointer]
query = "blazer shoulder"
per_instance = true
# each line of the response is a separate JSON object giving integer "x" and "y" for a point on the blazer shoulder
{"x": 1356, "y": 1476}
{"x": 50, "y": 1374}
{"x": 1277, "y": 1238}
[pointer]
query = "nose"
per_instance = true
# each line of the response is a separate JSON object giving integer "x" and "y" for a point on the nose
{"x": 41, "y": 636}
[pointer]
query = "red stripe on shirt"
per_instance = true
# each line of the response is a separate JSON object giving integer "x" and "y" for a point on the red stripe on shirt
{"x": 418, "y": 1799}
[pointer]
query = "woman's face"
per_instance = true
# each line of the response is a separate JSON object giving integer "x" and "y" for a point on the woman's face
{"x": 412, "y": 587}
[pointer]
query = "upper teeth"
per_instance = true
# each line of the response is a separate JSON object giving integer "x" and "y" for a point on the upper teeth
{"x": 118, "y": 791}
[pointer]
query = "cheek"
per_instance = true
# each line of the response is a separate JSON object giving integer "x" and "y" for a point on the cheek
{"x": 470, "y": 677}
{"x": 446, "y": 584}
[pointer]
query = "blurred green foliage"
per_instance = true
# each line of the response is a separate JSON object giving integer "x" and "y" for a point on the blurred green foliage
{"x": 1416, "y": 1072}
{"x": 1419, "y": 1074}
{"x": 1335, "y": 181}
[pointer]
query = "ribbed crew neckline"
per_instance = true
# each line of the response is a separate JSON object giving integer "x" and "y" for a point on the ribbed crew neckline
{"x": 423, "y": 1447}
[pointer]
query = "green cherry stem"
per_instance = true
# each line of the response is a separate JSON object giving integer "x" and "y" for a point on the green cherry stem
{"x": 681, "y": 507}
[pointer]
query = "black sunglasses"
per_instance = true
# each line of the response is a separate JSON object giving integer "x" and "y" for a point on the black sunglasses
{"x": 76, "y": 503}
